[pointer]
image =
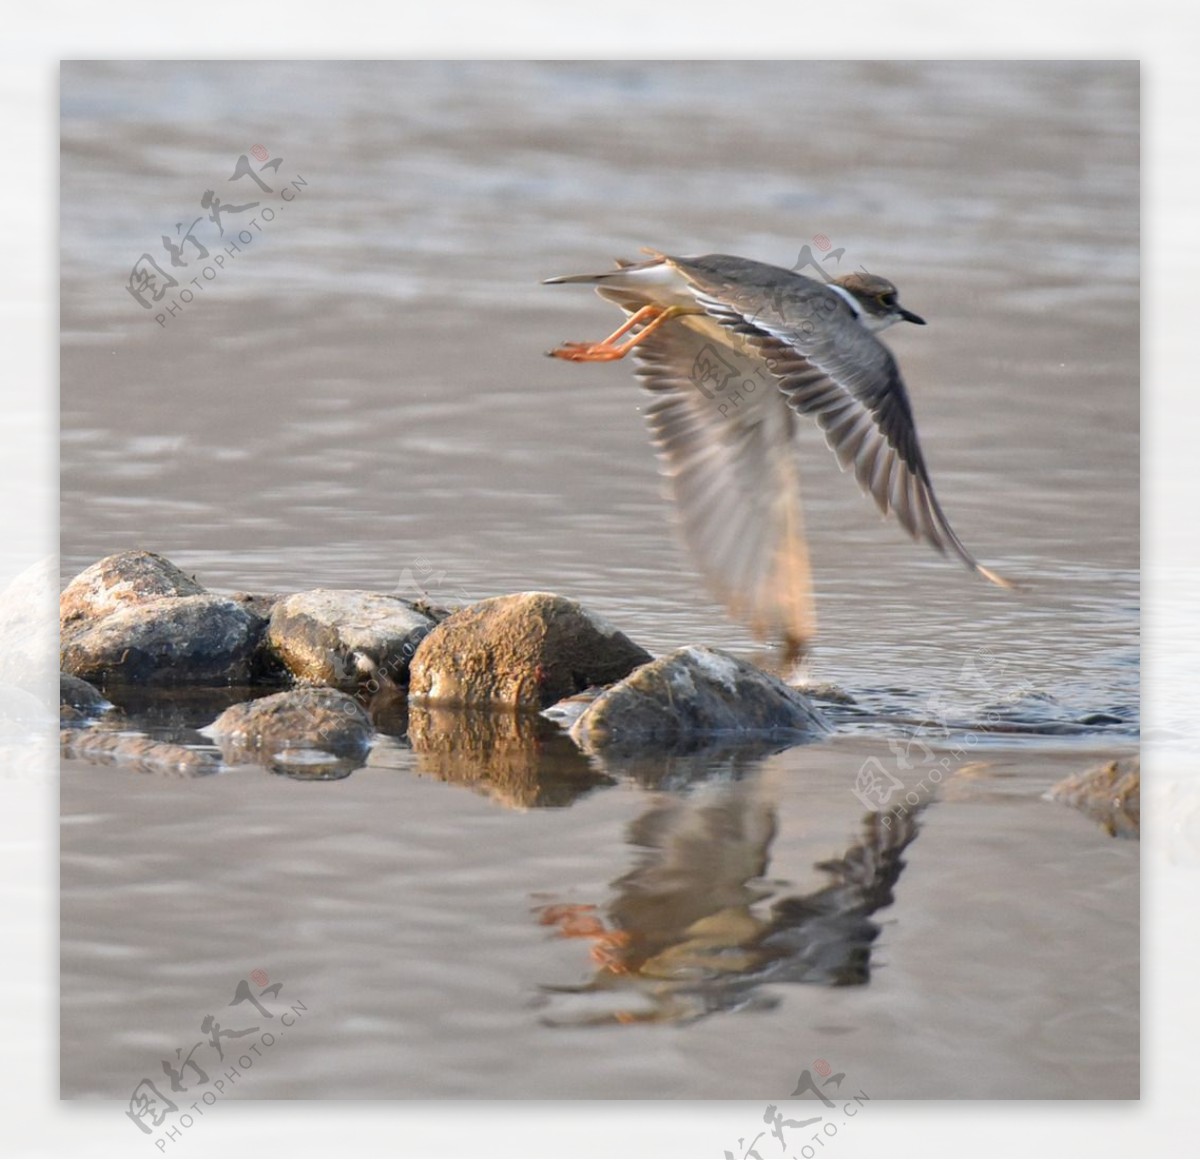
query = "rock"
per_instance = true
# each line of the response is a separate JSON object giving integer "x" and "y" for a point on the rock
{"x": 135, "y": 617}
{"x": 1110, "y": 794}
{"x": 116, "y": 582}
{"x": 526, "y": 651}
{"x": 828, "y": 692}
{"x": 285, "y": 727}
{"x": 260, "y": 603}
{"x": 168, "y": 640}
{"x": 346, "y": 638}
{"x": 105, "y": 747}
{"x": 693, "y": 694}
{"x": 566, "y": 712}
{"x": 77, "y": 699}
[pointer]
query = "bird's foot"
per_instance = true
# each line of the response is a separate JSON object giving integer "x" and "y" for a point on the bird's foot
{"x": 588, "y": 351}
{"x": 650, "y": 318}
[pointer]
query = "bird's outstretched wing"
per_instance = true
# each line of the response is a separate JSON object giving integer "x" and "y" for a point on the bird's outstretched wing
{"x": 724, "y": 438}
{"x": 829, "y": 367}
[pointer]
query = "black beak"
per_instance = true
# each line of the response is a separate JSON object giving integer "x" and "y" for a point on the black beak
{"x": 909, "y": 316}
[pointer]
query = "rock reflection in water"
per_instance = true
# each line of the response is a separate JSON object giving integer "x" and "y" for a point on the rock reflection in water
{"x": 518, "y": 759}
{"x": 688, "y": 764}
{"x": 685, "y": 935}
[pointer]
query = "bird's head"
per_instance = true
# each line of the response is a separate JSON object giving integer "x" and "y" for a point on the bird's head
{"x": 875, "y": 301}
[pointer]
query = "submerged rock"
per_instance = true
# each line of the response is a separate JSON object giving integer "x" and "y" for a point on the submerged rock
{"x": 286, "y": 727}
{"x": 691, "y": 694}
{"x": 346, "y": 638}
{"x": 1110, "y": 794}
{"x": 169, "y": 640}
{"x": 526, "y": 651}
{"x": 78, "y": 700}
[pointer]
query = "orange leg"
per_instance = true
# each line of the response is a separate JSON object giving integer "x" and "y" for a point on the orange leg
{"x": 608, "y": 348}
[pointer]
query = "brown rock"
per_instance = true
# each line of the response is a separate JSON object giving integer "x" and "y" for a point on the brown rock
{"x": 525, "y": 651}
{"x": 300, "y": 719}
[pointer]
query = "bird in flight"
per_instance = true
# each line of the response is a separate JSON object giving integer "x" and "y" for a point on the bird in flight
{"x": 733, "y": 351}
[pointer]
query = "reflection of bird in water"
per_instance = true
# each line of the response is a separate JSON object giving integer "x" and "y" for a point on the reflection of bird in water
{"x": 732, "y": 351}
{"x": 682, "y": 936}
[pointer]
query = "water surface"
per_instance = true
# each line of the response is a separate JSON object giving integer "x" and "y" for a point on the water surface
{"x": 359, "y": 398}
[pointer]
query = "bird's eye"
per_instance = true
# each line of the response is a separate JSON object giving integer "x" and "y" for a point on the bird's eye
{"x": 887, "y": 300}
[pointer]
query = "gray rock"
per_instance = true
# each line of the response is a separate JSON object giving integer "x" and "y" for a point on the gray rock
{"x": 77, "y": 699}
{"x": 301, "y": 720}
{"x": 260, "y": 603}
{"x": 526, "y": 651}
{"x": 119, "y": 581}
{"x": 169, "y": 640}
{"x": 105, "y": 747}
{"x": 693, "y": 694}
{"x": 346, "y": 638}
{"x": 1110, "y": 794}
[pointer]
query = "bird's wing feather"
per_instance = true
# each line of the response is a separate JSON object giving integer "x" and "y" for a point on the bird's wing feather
{"x": 724, "y": 438}
{"x": 831, "y": 368}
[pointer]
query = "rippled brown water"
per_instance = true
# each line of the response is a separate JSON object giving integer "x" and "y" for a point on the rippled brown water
{"x": 358, "y": 398}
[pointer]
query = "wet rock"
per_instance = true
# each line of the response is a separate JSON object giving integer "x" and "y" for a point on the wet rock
{"x": 119, "y": 581}
{"x": 196, "y": 640}
{"x": 526, "y": 651}
{"x": 293, "y": 730}
{"x": 105, "y": 747}
{"x": 694, "y": 693}
{"x": 1110, "y": 794}
{"x": 77, "y": 700}
{"x": 346, "y": 638}
{"x": 828, "y": 692}
{"x": 135, "y": 617}
{"x": 566, "y": 712}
